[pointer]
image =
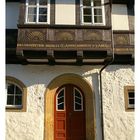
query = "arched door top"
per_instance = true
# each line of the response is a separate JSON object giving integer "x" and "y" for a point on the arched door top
{"x": 54, "y": 85}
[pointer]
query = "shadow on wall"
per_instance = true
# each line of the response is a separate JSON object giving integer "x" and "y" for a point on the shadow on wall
{"x": 43, "y": 75}
{"x": 119, "y": 67}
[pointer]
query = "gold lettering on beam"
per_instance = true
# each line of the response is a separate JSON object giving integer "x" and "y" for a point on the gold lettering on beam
{"x": 79, "y": 46}
{"x": 65, "y": 45}
{"x": 31, "y": 45}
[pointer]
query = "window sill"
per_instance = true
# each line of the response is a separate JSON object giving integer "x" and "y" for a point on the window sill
{"x": 130, "y": 109}
{"x": 15, "y": 109}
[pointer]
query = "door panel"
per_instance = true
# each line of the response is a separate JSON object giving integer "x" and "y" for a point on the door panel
{"x": 69, "y": 118}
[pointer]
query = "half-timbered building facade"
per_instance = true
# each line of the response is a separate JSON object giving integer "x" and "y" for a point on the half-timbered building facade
{"x": 70, "y": 70}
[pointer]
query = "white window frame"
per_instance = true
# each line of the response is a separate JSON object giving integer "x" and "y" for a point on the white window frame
{"x": 14, "y": 106}
{"x": 92, "y": 23}
{"x": 57, "y": 100}
{"x": 74, "y": 99}
{"x": 37, "y": 16}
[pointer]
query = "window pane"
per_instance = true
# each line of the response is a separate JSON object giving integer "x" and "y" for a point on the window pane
{"x": 77, "y": 94}
{"x": 43, "y": 11}
{"x": 10, "y": 100}
{"x": 61, "y": 94}
{"x": 131, "y": 94}
{"x": 78, "y": 107}
{"x": 18, "y": 100}
{"x": 87, "y": 19}
{"x": 31, "y": 18}
{"x": 42, "y": 2}
{"x": 131, "y": 101}
{"x": 32, "y": 2}
{"x": 61, "y": 106}
{"x": 18, "y": 90}
{"x": 98, "y": 19}
{"x": 87, "y": 11}
{"x": 97, "y": 2}
{"x": 86, "y": 2}
{"x": 32, "y": 10}
{"x": 60, "y": 100}
{"x": 77, "y": 100}
{"x": 10, "y": 89}
{"x": 97, "y": 11}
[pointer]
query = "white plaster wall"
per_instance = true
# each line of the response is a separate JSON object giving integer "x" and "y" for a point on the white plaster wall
{"x": 29, "y": 125}
{"x": 12, "y": 13}
{"x": 65, "y": 12}
{"x": 120, "y": 17}
{"x": 118, "y": 124}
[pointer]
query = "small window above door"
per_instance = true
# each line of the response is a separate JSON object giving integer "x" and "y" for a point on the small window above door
{"x": 60, "y": 103}
{"x": 78, "y": 100}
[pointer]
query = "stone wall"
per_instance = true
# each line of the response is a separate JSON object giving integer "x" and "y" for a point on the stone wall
{"x": 29, "y": 125}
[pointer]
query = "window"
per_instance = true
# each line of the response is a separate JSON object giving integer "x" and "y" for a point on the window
{"x": 37, "y": 11}
{"x": 78, "y": 100}
{"x": 129, "y": 98}
{"x": 15, "y": 93}
{"x": 61, "y": 100}
{"x": 92, "y": 12}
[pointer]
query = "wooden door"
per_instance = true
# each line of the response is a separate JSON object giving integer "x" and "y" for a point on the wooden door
{"x": 69, "y": 116}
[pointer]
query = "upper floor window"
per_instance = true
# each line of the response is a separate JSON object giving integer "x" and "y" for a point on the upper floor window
{"x": 16, "y": 94}
{"x": 37, "y": 11}
{"x": 92, "y": 12}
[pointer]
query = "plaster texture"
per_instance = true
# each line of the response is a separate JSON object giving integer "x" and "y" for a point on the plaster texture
{"x": 29, "y": 125}
{"x": 118, "y": 124}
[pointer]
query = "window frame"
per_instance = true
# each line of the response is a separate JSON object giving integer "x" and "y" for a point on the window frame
{"x": 19, "y": 84}
{"x": 128, "y": 89}
{"x": 92, "y": 13}
{"x": 37, "y": 6}
{"x": 57, "y": 100}
{"x": 75, "y": 101}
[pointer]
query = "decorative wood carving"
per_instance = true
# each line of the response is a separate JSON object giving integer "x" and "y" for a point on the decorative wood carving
{"x": 64, "y": 35}
{"x": 35, "y": 36}
{"x": 92, "y": 35}
{"x": 60, "y": 38}
{"x": 121, "y": 39}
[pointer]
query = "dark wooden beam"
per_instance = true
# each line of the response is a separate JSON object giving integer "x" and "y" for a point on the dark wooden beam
{"x": 79, "y": 57}
{"x": 12, "y": 0}
{"x": 63, "y": 26}
{"x": 50, "y": 54}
